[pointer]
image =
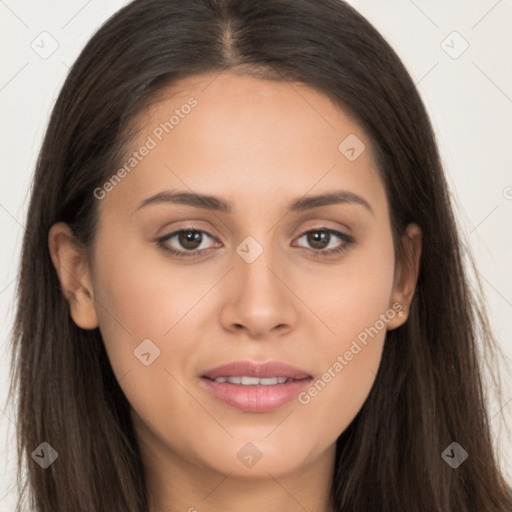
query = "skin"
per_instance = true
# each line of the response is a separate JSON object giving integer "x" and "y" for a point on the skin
{"x": 259, "y": 144}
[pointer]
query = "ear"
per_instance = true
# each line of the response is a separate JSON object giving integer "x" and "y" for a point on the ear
{"x": 406, "y": 275}
{"x": 71, "y": 263}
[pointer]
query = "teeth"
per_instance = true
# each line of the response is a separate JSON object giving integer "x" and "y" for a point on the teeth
{"x": 252, "y": 381}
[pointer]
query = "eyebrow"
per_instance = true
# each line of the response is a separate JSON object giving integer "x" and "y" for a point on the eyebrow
{"x": 218, "y": 204}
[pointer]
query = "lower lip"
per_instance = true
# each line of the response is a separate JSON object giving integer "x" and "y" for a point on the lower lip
{"x": 258, "y": 398}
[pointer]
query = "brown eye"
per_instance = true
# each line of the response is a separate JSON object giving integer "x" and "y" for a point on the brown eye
{"x": 319, "y": 240}
{"x": 190, "y": 239}
{"x": 186, "y": 242}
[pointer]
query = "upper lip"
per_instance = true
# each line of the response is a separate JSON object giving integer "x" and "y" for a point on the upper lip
{"x": 266, "y": 370}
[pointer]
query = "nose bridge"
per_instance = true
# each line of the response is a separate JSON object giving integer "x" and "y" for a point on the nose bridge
{"x": 257, "y": 266}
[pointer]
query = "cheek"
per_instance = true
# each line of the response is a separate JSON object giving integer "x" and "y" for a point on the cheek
{"x": 354, "y": 293}
{"x": 355, "y": 305}
{"x": 144, "y": 297}
{"x": 140, "y": 294}
{"x": 144, "y": 306}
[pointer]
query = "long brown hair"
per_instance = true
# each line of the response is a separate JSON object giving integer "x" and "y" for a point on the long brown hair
{"x": 428, "y": 391}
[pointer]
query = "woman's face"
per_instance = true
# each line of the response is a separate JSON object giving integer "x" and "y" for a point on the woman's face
{"x": 253, "y": 286}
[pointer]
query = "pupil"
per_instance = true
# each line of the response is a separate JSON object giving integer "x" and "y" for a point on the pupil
{"x": 318, "y": 237}
{"x": 190, "y": 239}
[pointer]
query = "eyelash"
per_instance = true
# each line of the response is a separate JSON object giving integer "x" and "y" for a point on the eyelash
{"x": 319, "y": 253}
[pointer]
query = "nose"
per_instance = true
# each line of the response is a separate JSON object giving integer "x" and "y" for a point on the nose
{"x": 260, "y": 299}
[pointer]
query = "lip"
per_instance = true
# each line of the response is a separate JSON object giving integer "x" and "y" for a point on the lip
{"x": 270, "y": 369}
{"x": 256, "y": 398}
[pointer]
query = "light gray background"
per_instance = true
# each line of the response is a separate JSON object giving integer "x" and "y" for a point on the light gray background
{"x": 469, "y": 97}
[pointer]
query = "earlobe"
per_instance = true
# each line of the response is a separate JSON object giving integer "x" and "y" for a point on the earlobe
{"x": 406, "y": 275}
{"x": 70, "y": 261}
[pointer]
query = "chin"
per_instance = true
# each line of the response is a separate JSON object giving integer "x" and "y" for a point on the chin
{"x": 257, "y": 456}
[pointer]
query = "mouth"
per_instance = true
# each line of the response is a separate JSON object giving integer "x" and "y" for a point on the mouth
{"x": 255, "y": 387}
{"x": 245, "y": 380}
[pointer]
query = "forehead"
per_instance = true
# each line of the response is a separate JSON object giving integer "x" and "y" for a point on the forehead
{"x": 225, "y": 133}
